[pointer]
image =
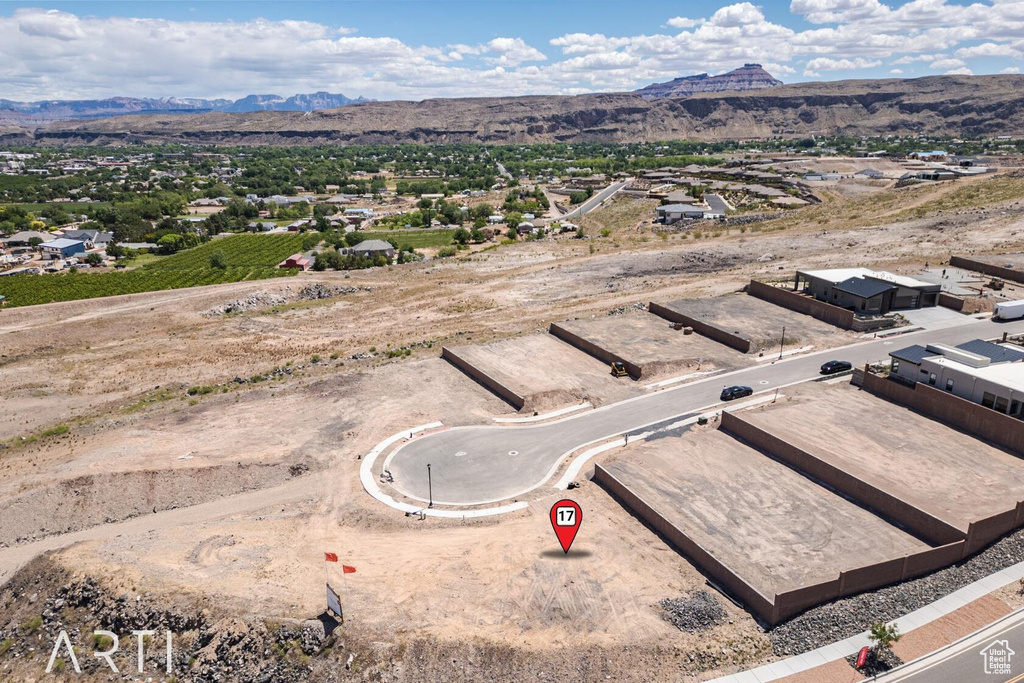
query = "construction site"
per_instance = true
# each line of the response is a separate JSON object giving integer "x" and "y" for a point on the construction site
{"x": 199, "y": 465}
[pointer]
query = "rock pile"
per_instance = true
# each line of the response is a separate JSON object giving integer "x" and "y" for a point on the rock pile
{"x": 255, "y": 300}
{"x": 699, "y": 612}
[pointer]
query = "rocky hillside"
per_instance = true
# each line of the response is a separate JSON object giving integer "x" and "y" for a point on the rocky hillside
{"x": 939, "y": 105}
{"x": 44, "y": 111}
{"x": 747, "y": 77}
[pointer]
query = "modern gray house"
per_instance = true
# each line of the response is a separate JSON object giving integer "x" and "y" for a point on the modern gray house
{"x": 868, "y": 292}
{"x": 979, "y": 371}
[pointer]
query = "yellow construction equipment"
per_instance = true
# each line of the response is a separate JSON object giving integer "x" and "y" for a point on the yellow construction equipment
{"x": 619, "y": 370}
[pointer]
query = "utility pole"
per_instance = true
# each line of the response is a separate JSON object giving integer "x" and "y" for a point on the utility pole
{"x": 782, "y": 343}
{"x": 430, "y": 488}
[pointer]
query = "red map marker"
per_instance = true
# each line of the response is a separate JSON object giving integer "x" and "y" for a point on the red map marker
{"x": 566, "y": 517}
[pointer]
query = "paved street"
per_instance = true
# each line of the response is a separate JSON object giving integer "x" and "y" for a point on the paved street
{"x": 965, "y": 661}
{"x": 595, "y": 201}
{"x": 481, "y": 464}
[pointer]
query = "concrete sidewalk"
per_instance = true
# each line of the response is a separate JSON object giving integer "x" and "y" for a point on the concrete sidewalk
{"x": 825, "y": 660}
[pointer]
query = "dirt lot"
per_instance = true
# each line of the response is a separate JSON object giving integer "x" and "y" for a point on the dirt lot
{"x": 761, "y": 322}
{"x": 772, "y": 526}
{"x": 899, "y": 451}
{"x": 547, "y": 372}
{"x": 651, "y": 343}
{"x": 99, "y": 387}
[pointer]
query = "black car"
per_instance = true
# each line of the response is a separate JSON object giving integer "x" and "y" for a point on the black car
{"x": 834, "y": 366}
{"x": 730, "y": 393}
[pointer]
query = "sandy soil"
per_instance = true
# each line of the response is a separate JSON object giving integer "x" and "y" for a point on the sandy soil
{"x": 115, "y": 373}
{"x": 864, "y": 435}
{"x": 775, "y": 528}
{"x": 651, "y": 343}
{"x": 761, "y": 322}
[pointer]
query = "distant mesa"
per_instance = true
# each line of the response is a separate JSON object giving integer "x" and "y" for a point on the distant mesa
{"x": 56, "y": 110}
{"x": 747, "y": 77}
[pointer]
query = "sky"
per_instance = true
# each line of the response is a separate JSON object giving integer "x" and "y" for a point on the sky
{"x": 419, "y": 49}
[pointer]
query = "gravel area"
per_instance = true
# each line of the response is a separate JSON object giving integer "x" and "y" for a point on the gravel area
{"x": 850, "y": 616}
{"x": 699, "y": 612}
{"x": 878, "y": 662}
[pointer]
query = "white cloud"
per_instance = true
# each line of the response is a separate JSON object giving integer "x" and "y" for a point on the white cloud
{"x": 684, "y": 22}
{"x": 737, "y": 15}
{"x": 988, "y": 50}
{"x": 829, "y": 64}
{"x": 57, "y": 54}
{"x": 962, "y": 71}
{"x": 947, "y": 63}
{"x": 513, "y": 52}
{"x": 896, "y": 72}
{"x": 1011, "y": 70}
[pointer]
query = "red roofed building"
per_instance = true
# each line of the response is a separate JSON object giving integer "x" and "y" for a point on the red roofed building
{"x": 296, "y": 261}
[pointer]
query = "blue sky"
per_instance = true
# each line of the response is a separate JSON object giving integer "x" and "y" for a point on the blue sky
{"x": 422, "y": 49}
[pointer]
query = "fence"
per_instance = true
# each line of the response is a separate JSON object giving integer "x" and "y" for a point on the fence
{"x": 975, "y": 419}
{"x": 924, "y": 525}
{"x": 708, "y": 330}
{"x": 483, "y": 378}
{"x": 594, "y": 350}
{"x": 801, "y": 303}
{"x": 1011, "y": 274}
{"x": 950, "y": 301}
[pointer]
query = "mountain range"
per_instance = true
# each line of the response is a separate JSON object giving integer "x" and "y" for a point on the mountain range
{"x": 44, "y": 111}
{"x": 747, "y": 77}
{"x": 961, "y": 106}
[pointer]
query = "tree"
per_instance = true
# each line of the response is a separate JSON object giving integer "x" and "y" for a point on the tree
{"x": 883, "y": 636}
{"x": 461, "y": 236}
{"x": 476, "y": 235}
{"x": 170, "y": 243}
{"x": 93, "y": 259}
{"x": 218, "y": 260}
{"x": 34, "y": 241}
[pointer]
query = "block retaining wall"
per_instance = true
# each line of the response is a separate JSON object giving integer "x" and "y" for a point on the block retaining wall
{"x": 741, "y": 344}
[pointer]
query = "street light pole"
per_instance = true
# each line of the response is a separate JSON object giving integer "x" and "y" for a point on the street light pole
{"x": 430, "y": 488}
{"x": 782, "y": 343}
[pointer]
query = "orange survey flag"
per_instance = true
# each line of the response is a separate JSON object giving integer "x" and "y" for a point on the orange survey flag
{"x": 348, "y": 569}
{"x": 330, "y": 557}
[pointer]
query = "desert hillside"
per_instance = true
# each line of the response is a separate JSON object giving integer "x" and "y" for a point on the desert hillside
{"x": 940, "y": 105}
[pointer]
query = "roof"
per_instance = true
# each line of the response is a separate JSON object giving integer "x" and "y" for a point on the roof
{"x": 997, "y": 353}
{"x": 912, "y": 354}
{"x": 838, "y": 275}
{"x": 63, "y": 243}
{"x": 863, "y": 287}
{"x": 1009, "y": 375}
{"x": 26, "y": 235}
{"x": 680, "y": 207}
{"x": 373, "y": 245}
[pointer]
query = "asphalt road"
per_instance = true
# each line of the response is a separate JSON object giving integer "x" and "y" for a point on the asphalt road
{"x": 482, "y": 464}
{"x": 595, "y": 201}
{"x": 964, "y": 661}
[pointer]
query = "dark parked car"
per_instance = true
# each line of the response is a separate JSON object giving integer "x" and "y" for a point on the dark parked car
{"x": 730, "y": 393}
{"x": 834, "y": 366}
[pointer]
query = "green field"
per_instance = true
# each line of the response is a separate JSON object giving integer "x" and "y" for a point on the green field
{"x": 70, "y": 207}
{"x": 246, "y": 257}
{"x": 417, "y": 239}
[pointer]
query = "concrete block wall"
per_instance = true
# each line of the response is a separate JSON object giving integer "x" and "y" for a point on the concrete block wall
{"x": 973, "y": 418}
{"x": 801, "y": 303}
{"x": 760, "y": 605}
{"x": 741, "y": 344}
{"x": 925, "y": 526}
{"x": 483, "y": 378}
{"x": 598, "y": 352}
{"x": 1011, "y": 274}
{"x": 949, "y": 301}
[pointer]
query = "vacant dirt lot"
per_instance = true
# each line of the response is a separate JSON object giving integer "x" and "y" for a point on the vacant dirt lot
{"x": 772, "y": 526}
{"x": 547, "y": 372}
{"x": 901, "y": 452}
{"x": 761, "y": 322}
{"x": 100, "y": 387}
{"x": 651, "y": 343}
